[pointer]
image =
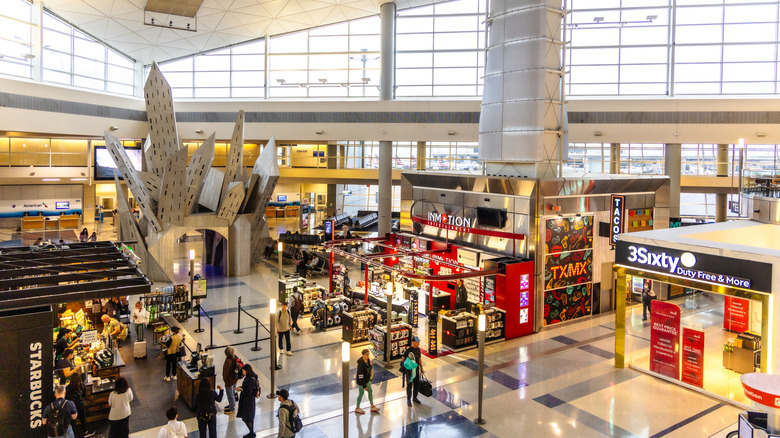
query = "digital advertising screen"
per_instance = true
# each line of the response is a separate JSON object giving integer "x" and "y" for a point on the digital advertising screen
{"x": 105, "y": 169}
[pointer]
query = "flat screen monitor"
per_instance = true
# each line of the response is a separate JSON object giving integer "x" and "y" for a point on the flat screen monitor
{"x": 491, "y": 217}
{"x": 281, "y": 198}
{"x": 105, "y": 169}
{"x": 62, "y": 205}
{"x": 745, "y": 429}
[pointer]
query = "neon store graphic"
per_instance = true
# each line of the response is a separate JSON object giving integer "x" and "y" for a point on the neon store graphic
{"x": 568, "y": 268}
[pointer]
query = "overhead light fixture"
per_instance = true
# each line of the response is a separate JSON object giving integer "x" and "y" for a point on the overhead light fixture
{"x": 365, "y": 80}
{"x": 598, "y": 19}
{"x": 323, "y": 81}
{"x": 598, "y": 133}
{"x": 32, "y": 173}
{"x": 451, "y": 132}
{"x": 651, "y": 17}
{"x": 319, "y": 132}
{"x": 78, "y": 179}
{"x": 281, "y": 81}
{"x": 50, "y": 179}
{"x": 741, "y": 142}
{"x": 760, "y": 134}
{"x": 199, "y": 131}
{"x": 29, "y": 56}
{"x": 114, "y": 128}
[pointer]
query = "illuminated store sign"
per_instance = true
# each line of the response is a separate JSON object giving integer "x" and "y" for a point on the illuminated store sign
{"x": 616, "y": 224}
{"x": 446, "y": 219}
{"x": 744, "y": 274}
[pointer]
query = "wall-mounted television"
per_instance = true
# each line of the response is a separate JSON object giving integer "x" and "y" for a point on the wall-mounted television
{"x": 281, "y": 198}
{"x": 105, "y": 169}
{"x": 491, "y": 217}
{"x": 62, "y": 205}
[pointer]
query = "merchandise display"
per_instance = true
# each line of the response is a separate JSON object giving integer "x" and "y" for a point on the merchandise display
{"x": 286, "y": 286}
{"x": 174, "y": 300}
{"x": 328, "y": 313}
{"x": 495, "y": 320}
{"x": 356, "y": 325}
{"x": 459, "y": 332}
{"x": 341, "y": 280}
{"x": 400, "y": 337}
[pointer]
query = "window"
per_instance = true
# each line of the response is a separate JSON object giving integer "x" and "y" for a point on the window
{"x": 72, "y": 57}
{"x": 16, "y": 39}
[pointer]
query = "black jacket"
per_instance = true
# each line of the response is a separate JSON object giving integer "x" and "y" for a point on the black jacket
{"x": 246, "y": 403}
{"x": 363, "y": 374}
{"x": 215, "y": 397}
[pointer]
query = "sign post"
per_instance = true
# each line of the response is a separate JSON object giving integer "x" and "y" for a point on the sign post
{"x": 616, "y": 222}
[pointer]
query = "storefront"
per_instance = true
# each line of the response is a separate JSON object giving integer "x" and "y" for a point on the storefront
{"x": 722, "y": 327}
{"x": 58, "y": 287}
{"x": 567, "y": 227}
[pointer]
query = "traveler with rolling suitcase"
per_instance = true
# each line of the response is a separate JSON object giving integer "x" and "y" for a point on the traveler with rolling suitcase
{"x": 140, "y": 319}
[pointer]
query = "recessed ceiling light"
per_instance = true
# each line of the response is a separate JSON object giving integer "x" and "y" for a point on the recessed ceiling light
{"x": 50, "y": 179}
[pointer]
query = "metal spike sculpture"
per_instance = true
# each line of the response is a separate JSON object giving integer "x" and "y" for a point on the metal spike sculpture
{"x": 176, "y": 196}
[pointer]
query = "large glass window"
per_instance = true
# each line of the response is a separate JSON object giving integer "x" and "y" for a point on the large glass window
{"x": 16, "y": 38}
{"x": 72, "y": 57}
{"x": 440, "y": 49}
{"x": 625, "y": 47}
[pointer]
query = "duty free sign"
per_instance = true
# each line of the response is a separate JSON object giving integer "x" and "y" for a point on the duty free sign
{"x": 743, "y": 274}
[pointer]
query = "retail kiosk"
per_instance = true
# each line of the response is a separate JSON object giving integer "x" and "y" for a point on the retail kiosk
{"x": 31, "y": 304}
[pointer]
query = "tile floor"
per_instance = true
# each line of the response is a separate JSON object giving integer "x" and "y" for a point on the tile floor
{"x": 559, "y": 382}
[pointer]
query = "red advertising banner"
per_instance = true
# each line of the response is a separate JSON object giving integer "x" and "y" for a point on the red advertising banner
{"x": 693, "y": 357}
{"x": 665, "y": 338}
{"x": 736, "y": 314}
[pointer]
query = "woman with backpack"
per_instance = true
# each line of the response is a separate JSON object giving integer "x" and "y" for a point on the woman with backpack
{"x": 230, "y": 378}
{"x": 207, "y": 409}
{"x": 365, "y": 373}
{"x": 119, "y": 415}
{"x": 250, "y": 390}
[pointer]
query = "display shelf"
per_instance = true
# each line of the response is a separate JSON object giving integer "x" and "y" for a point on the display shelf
{"x": 169, "y": 299}
{"x": 495, "y": 322}
{"x": 459, "y": 332}
{"x": 286, "y": 285}
{"x": 356, "y": 325}
{"x": 340, "y": 280}
{"x": 328, "y": 313}
{"x": 311, "y": 293}
{"x": 400, "y": 340}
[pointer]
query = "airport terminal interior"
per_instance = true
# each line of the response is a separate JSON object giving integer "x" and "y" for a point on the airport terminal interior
{"x": 570, "y": 204}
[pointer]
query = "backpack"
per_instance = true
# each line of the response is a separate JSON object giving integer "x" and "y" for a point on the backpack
{"x": 55, "y": 422}
{"x": 173, "y": 434}
{"x": 294, "y": 422}
{"x": 238, "y": 372}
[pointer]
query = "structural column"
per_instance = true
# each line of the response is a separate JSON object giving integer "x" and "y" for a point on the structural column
{"x": 614, "y": 158}
{"x": 331, "y": 209}
{"x": 421, "y": 156}
{"x": 386, "y": 92}
{"x": 721, "y": 169}
{"x": 672, "y": 161}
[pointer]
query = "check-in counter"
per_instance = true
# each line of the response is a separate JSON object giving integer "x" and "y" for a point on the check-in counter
{"x": 30, "y": 223}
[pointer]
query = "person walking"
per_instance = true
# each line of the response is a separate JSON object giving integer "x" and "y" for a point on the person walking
{"x": 297, "y": 308}
{"x": 84, "y": 235}
{"x": 363, "y": 377}
{"x": 250, "y": 390}
{"x": 174, "y": 428}
{"x": 287, "y": 411}
{"x": 283, "y": 327}
{"x": 75, "y": 393}
{"x": 140, "y": 319}
{"x": 412, "y": 364}
{"x": 119, "y": 415}
{"x": 58, "y": 415}
{"x": 172, "y": 354}
{"x": 229, "y": 377}
{"x": 206, "y": 408}
{"x": 648, "y": 295}
{"x": 93, "y": 237}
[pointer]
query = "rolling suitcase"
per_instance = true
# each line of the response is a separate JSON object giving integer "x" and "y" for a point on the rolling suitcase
{"x": 139, "y": 350}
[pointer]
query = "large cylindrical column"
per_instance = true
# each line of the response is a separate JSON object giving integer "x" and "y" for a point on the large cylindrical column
{"x": 386, "y": 92}
{"x": 672, "y": 160}
{"x": 614, "y": 158}
{"x": 722, "y": 169}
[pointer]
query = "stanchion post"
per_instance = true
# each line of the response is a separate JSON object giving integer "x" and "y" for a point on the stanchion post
{"x": 198, "y": 330}
{"x": 238, "y": 330}
{"x": 192, "y": 280}
{"x": 272, "y": 313}
{"x": 257, "y": 335}
{"x": 481, "y": 340}
{"x": 211, "y": 333}
{"x": 345, "y": 386}
{"x": 279, "y": 250}
{"x": 389, "y": 320}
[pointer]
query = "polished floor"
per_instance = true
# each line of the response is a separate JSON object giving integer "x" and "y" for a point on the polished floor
{"x": 559, "y": 382}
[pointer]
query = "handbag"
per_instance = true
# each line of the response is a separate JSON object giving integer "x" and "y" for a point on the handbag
{"x": 426, "y": 388}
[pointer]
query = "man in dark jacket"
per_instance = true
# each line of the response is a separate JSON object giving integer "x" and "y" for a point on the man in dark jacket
{"x": 461, "y": 295}
{"x": 412, "y": 376}
{"x": 297, "y": 308}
